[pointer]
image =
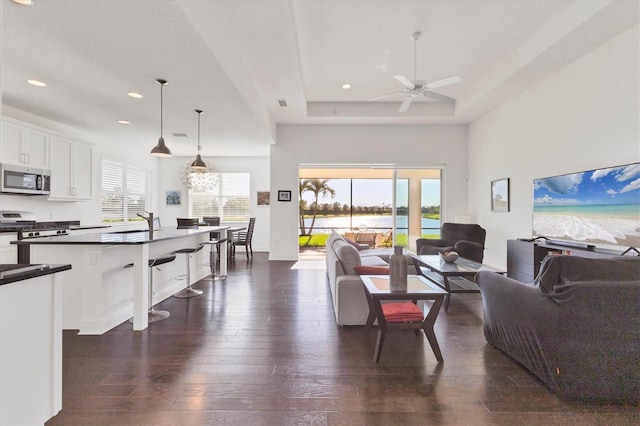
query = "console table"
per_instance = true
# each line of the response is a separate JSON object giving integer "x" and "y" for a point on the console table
{"x": 525, "y": 256}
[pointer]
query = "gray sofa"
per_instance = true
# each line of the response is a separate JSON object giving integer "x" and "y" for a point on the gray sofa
{"x": 349, "y": 301}
{"x": 577, "y": 327}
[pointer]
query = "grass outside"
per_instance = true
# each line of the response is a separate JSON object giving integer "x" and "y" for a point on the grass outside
{"x": 320, "y": 240}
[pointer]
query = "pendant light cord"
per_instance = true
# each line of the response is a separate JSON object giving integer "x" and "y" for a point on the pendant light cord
{"x": 415, "y": 59}
{"x": 161, "y": 85}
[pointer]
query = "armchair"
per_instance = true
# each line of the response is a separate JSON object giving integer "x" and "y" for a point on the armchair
{"x": 466, "y": 239}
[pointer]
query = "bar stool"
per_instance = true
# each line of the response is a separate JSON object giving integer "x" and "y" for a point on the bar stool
{"x": 189, "y": 291}
{"x": 153, "y": 315}
{"x": 214, "y": 242}
{"x": 188, "y": 223}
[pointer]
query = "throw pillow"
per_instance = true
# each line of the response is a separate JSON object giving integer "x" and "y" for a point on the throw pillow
{"x": 353, "y": 243}
{"x": 372, "y": 270}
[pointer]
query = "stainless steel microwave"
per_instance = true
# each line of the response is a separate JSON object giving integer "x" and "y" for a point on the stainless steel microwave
{"x": 24, "y": 180}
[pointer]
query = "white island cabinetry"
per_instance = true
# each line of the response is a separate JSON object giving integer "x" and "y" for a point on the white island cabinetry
{"x": 100, "y": 292}
{"x": 71, "y": 170}
{"x": 31, "y": 348}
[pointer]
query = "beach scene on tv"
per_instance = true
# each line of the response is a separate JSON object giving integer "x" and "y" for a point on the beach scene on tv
{"x": 596, "y": 206}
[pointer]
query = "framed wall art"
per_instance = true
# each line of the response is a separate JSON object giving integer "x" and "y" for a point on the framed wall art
{"x": 500, "y": 195}
{"x": 264, "y": 198}
{"x": 174, "y": 198}
{"x": 284, "y": 195}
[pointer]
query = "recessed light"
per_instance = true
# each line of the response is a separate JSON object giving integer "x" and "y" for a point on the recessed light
{"x": 135, "y": 95}
{"x": 124, "y": 122}
{"x": 36, "y": 83}
{"x": 346, "y": 86}
{"x": 25, "y": 2}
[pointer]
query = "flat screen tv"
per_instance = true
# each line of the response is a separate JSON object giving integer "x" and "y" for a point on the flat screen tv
{"x": 595, "y": 207}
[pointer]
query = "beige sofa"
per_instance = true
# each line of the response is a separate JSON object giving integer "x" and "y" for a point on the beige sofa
{"x": 349, "y": 301}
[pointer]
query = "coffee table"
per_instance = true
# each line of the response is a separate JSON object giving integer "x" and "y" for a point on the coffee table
{"x": 377, "y": 289}
{"x": 454, "y": 277}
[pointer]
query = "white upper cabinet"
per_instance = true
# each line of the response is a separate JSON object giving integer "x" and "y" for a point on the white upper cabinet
{"x": 71, "y": 170}
{"x": 24, "y": 146}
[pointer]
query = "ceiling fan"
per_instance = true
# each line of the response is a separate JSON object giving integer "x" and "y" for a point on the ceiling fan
{"x": 415, "y": 88}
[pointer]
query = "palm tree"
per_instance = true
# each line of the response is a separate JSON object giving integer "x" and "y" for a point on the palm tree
{"x": 304, "y": 186}
{"x": 318, "y": 187}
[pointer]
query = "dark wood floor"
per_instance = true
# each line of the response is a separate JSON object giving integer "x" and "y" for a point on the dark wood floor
{"x": 262, "y": 348}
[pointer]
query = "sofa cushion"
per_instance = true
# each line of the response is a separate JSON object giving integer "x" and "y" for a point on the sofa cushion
{"x": 347, "y": 255}
{"x": 372, "y": 270}
{"x": 333, "y": 237}
{"x": 555, "y": 270}
{"x": 358, "y": 246}
{"x": 372, "y": 261}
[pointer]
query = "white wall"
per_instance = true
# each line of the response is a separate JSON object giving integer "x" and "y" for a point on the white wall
{"x": 584, "y": 116}
{"x": 171, "y": 179}
{"x": 404, "y": 146}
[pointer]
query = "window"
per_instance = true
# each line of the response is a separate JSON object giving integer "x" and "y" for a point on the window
{"x": 228, "y": 198}
{"x": 123, "y": 192}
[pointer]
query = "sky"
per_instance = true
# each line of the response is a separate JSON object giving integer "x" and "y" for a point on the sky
{"x": 614, "y": 185}
{"x": 377, "y": 192}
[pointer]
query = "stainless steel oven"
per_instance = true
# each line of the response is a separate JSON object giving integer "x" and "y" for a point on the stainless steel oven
{"x": 24, "y": 180}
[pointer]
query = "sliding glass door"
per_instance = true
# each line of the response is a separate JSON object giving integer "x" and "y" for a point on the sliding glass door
{"x": 397, "y": 205}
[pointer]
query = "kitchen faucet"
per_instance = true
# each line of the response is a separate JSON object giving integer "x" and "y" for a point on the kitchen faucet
{"x": 149, "y": 220}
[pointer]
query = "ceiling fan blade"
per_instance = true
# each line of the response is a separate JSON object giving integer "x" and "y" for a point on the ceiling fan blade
{"x": 405, "y": 81}
{"x": 385, "y": 96}
{"x": 405, "y": 104}
{"x": 438, "y": 97}
{"x": 444, "y": 82}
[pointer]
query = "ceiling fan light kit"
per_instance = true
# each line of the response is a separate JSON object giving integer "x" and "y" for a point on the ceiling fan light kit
{"x": 161, "y": 149}
{"x": 414, "y": 88}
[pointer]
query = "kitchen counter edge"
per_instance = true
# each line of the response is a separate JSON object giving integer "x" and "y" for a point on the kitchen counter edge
{"x": 31, "y": 273}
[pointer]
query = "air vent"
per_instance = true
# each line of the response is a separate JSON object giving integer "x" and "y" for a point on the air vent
{"x": 180, "y": 135}
{"x": 282, "y": 103}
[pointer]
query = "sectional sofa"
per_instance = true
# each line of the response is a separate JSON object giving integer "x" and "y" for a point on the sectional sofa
{"x": 577, "y": 327}
{"x": 343, "y": 258}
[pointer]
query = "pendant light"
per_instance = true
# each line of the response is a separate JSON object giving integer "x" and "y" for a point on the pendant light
{"x": 161, "y": 150}
{"x": 198, "y": 164}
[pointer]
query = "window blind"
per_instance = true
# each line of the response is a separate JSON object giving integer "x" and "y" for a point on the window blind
{"x": 123, "y": 192}
{"x": 228, "y": 198}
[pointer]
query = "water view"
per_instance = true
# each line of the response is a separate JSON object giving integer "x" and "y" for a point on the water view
{"x": 324, "y": 224}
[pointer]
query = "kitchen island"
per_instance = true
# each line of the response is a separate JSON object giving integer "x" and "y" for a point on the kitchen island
{"x": 30, "y": 342}
{"x": 101, "y": 292}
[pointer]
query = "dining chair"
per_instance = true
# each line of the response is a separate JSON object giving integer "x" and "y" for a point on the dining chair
{"x": 243, "y": 238}
{"x": 187, "y": 222}
{"x": 211, "y": 220}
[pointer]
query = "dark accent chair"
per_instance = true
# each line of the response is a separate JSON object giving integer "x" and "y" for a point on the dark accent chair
{"x": 464, "y": 238}
{"x": 243, "y": 238}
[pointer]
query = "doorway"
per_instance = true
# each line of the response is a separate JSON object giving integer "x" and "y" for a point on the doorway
{"x": 394, "y": 205}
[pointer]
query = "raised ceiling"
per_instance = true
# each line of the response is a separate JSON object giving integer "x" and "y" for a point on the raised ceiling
{"x": 236, "y": 59}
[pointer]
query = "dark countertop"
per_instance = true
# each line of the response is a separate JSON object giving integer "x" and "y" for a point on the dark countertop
{"x": 122, "y": 237}
{"x": 72, "y": 225}
{"x": 10, "y": 273}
